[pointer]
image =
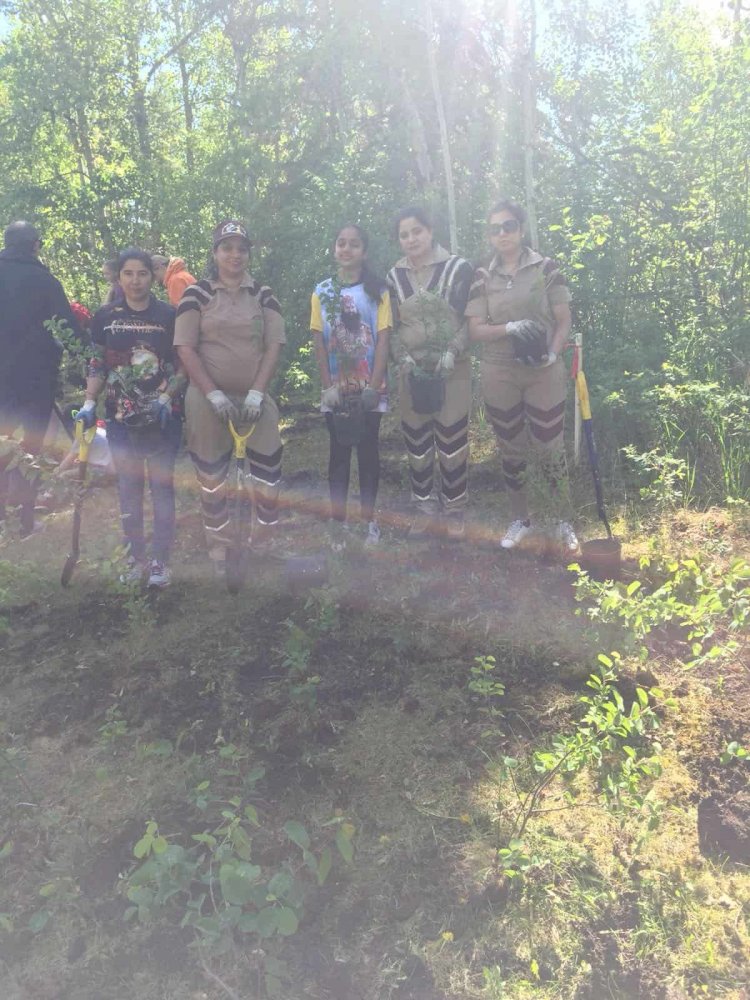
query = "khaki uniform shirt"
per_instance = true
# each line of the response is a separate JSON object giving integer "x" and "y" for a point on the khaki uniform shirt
{"x": 231, "y": 330}
{"x": 499, "y": 297}
{"x": 428, "y": 306}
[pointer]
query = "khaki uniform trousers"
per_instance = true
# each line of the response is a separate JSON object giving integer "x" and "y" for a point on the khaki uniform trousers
{"x": 445, "y": 432}
{"x": 210, "y": 445}
{"x": 526, "y": 407}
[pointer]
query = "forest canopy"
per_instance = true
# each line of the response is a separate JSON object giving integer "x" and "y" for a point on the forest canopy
{"x": 623, "y": 128}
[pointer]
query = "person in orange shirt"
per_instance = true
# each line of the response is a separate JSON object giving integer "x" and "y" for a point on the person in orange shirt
{"x": 173, "y": 275}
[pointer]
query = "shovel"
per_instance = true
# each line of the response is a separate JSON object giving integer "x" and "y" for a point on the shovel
{"x": 84, "y": 439}
{"x": 236, "y": 563}
{"x": 600, "y": 556}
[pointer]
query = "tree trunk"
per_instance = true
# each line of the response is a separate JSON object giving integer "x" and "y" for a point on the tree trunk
{"x": 528, "y": 111}
{"x": 240, "y": 30}
{"x": 440, "y": 109}
{"x": 418, "y": 136}
{"x": 187, "y": 108}
{"x": 80, "y": 128}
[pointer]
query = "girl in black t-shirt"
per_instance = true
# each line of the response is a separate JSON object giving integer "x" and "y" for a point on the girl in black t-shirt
{"x": 132, "y": 361}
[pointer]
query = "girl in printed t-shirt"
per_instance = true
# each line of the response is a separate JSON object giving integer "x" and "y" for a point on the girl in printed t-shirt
{"x": 350, "y": 324}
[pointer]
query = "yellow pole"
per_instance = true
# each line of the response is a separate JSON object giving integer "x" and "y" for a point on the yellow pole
{"x": 577, "y": 422}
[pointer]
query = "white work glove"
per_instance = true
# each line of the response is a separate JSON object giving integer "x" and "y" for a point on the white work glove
{"x": 223, "y": 406}
{"x": 408, "y": 364}
{"x": 330, "y": 397}
{"x": 87, "y": 414}
{"x": 252, "y": 406}
{"x": 551, "y": 359}
{"x": 447, "y": 362}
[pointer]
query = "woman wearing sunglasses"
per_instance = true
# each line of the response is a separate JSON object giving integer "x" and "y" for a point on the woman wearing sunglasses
{"x": 519, "y": 309}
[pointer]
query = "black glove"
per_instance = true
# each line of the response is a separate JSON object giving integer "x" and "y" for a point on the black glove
{"x": 370, "y": 398}
{"x": 529, "y": 342}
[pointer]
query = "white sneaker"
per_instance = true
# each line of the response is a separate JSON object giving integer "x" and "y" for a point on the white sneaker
{"x": 566, "y": 536}
{"x": 372, "y": 538}
{"x": 160, "y": 575}
{"x": 517, "y": 531}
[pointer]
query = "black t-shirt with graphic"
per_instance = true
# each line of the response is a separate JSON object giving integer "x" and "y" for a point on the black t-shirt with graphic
{"x": 132, "y": 351}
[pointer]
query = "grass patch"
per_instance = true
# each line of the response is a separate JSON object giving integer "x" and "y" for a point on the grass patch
{"x": 378, "y": 716}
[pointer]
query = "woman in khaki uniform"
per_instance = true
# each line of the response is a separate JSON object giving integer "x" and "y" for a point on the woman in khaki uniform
{"x": 229, "y": 333}
{"x": 429, "y": 290}
{"x": 519, "y": 309}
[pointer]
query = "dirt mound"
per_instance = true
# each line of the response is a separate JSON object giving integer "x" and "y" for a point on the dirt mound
{"x": 724, "y": 825}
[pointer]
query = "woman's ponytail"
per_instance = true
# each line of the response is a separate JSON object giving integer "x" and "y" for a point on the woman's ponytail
{"x": 372, "y": 283}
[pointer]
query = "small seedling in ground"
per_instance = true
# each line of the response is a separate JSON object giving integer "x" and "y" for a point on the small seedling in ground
{"x": 210, "y": 881}
{"x": 296, "y": 651}
{"x": 114, "y": 726}
{"x": 484, "y": 683}
{"x": 609, "y": 740}
{"x": 11, "y": 761}
{"x": 733, "y": 751}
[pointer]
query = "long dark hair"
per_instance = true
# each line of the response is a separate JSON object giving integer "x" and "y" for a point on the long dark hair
{"x": 372, "y": 283}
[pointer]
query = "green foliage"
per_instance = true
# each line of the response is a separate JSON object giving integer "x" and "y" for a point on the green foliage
{"x": 610, "y": 741}
{"x": 114, "y": 726}
{"x": 321, "y": 618}
{"x": 163, "y": 118}
{"x": 484, "y": 684}
{"x": 12, "y": 758}
{"x": 13, "y": 456}
{"x": 670, "y": 480}
{"x": 700, "y": 440}
{"x": 296, "y": 652}
{"x": 134, "y": 597}
{"x": 57, "y": 895}
{"x": 435, "y": 322}
{"x": 733, "y": 751}
{"x": 322, "y": 605}
{"x": 209, "y": 879}
{"x": 710, "y": 607}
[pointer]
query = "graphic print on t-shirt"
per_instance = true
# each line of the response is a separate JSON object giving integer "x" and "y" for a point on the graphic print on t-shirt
{"x": 352, "y": 343}
{"x": 133, "y": 353}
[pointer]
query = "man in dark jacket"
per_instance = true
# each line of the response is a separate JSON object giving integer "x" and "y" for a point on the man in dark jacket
{"x": 29, "y": 353}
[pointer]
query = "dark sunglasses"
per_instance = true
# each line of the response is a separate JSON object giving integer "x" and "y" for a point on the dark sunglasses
{"x": 509, "y": 226}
